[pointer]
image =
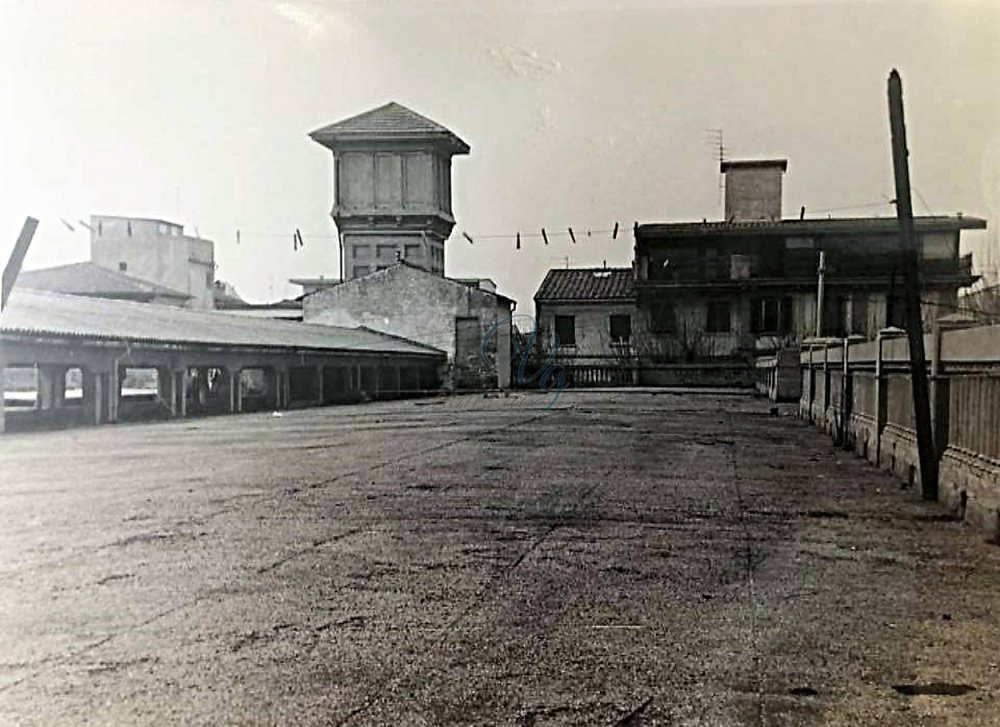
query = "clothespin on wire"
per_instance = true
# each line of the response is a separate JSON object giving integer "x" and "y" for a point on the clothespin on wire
{"x": 518, "y": 246}
{"x": 297, "y": 240}
{"x": 467, "y": 237}
{"x": 545, "y": 237}
{"x": 614, "y": 235}
{"x": 571, "y": 235}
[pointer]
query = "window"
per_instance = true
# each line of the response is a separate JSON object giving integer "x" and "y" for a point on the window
{"x": 718, "y": 317}
{"x": 360, "y": 251}
{"x": 621, "y": 328}
{"x": 661, "y": 317}
{"x": 360, "y": 270}
{"x": 123, "y": 266}
{"x": 771, "y": 316}
{"x": 411, "y": 251}
{"x": 566, "y": 330}
{"x": 386, "y": 252}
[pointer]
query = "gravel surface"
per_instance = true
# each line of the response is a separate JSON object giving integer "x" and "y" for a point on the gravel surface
{"x": 626, "y": 558}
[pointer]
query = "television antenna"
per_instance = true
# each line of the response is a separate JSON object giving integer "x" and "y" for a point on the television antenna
{"x": 714, "y": 139}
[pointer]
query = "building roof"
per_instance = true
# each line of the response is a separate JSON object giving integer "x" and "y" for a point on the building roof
{"x": 753, "y": 164}
{"x": 392, "y": 121}
{"x": 93, "y": 280}
{"x": 586, "y": 285}
{"x": 797, "y": 227}
{"x": 36, "y": 313}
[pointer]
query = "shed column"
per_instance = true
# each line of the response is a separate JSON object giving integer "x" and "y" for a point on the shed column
{"x": 94, "y": 396}
{"x": 238, "y": 390}
{"x": 165, "y": 389}
{"x": 182, "y": 392}
{"x": 320, "y": 398}
{"x": 50, "y": 394}
{"x": 230, "y": 381}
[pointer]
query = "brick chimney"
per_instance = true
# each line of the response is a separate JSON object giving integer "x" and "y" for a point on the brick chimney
{"x": 753, "y": 189}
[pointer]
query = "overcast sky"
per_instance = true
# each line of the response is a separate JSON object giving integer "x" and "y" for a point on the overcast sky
{"x": 578, "y": 114}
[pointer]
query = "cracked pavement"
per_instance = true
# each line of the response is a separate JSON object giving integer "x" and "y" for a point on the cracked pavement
{"x": 622, "y": 559}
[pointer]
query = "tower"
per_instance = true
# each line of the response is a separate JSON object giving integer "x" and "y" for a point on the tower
{"x": 392, "y": 188}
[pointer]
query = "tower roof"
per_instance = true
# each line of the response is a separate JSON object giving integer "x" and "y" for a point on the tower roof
{"x": 390, "y": 122}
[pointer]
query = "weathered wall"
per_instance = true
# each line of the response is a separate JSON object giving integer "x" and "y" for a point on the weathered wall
{"x": 593, "y": 326}
{"x": 753, "y": 193}
{"x": 158, "y": 252}
{"x": 866, "y": 405}
{"x": 422, "y": 307}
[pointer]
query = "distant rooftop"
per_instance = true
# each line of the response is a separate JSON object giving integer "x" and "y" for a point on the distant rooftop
{"x": 753, "y": 164}
{"x": 586, "y": 285}
{"x": 90, "y": 279}
{"x": 392, "y": 121}
{"x": 813, "y": 226}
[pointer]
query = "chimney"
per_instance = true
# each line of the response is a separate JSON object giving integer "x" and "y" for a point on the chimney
{"x": 753, "y": 189}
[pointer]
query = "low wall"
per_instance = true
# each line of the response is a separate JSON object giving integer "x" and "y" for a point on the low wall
{"x": 860, "y": 394}
{"x": 777, "y": 375}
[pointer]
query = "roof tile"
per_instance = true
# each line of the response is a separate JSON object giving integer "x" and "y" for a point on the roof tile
{"x": 586, "y": 284}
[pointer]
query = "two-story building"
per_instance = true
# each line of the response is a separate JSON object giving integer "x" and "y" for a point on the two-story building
{"x": 704, "y": 298}
{"x": 749, "y": 283}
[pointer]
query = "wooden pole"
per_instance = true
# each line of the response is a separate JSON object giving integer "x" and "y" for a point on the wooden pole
{"x": 10, "y": 272}
{"x": 820, "y": 274}
{"x": 914, "y": 324}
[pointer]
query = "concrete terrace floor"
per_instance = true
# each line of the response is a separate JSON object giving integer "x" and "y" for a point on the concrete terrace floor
{"x": 623, "y": 559}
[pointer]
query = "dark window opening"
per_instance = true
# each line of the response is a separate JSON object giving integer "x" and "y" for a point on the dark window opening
{"x": 661, "y": 318}
{"x": 718, "y": 318}
{"x": 621, "y": 328}
{"x": 123, "y": 266}
{"x": 566, "y": 330}
{"x": 771, "y": 316}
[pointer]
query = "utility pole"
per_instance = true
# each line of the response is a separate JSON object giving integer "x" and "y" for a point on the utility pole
{"x": 13, "y": 267}
{"x": 820, "y": 274}
{"x": 914, "y": 324}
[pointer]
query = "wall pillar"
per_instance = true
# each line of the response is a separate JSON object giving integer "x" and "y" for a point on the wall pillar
{"x": 880, "y": 398}
{"x": 3, "y": 402}
{"x": 320, "y": 398}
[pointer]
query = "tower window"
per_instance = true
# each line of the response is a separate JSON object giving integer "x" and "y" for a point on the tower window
{"x": 123, "y": 266}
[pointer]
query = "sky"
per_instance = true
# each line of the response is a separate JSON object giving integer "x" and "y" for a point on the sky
{"x": 579, "y": 114}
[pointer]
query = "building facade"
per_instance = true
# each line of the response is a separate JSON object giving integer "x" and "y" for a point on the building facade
{"x": 157, "y": 251}
{"x": 392, "y": 189}
{"x": 748, "y": 284}
{"x": 454, "y": 316}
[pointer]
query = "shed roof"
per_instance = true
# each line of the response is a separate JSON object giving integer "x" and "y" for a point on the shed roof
{"x": 388, "y": 122}
{"x": 87, "y": 278}
{"x": 586, "y": 284}
{"x": 37, "y": 313}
